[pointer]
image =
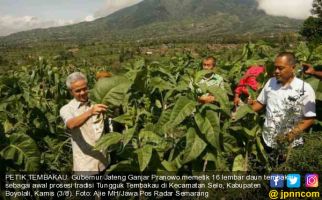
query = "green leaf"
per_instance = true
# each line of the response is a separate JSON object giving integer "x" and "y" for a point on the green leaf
{"x": 239, "y": 164}
{"x": 159, "y": 83}
{"x": 169, "y": 166}
{"x": 122, "y": 166}
{"x": 150, "y": 136}
{"x": 7, "y": 126}
{"x": 230, "y": 143}
{"x": 316, "y": 85}
{"x": 158, "y": 103}
{"x": 199, "y": 75}
{"x": 110, "y": 91}
{"x": 22, "y": 150}
{"x": 253, "y": 132}
{"x": 127, "y": 135}
{"x": 210, "y": 127}
{"x": 108, "y": 140}
{"x": 126, "y": 119}
{"x": 210, "y": 156}
{"x": 164, "y": 118}
{"x": 182, "y": 109}
{"x": 194, "y": 147}
{"x": 261, "y": 149}
{"x": 242, "y": 111}
{"x": 251, "y": 93}
{"x": 144, "y": 156}
{"x": 221, "y": 97}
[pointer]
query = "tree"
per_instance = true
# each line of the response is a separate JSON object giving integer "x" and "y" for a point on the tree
{"x": 312, "y": 30}
{"x": 312, "y": 26}
{"x": 317, "y": 8}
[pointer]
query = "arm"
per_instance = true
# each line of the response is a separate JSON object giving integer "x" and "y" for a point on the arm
{"x": 236, "y": 100}
{"x": 256, "y": 106}
{"x": 81, "y": 119}
{"x": 317, "y": 74}
{"x": 311, "y": 71}
{"x": 299, "y": 128}
{"x": 238, "y": 91}
{"x": 261, "y": 101}
{"x": 309, "y": 115}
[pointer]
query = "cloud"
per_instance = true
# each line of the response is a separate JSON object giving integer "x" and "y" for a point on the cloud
{"x": 113, "y": 5}
{"x": 10, "y": 24}
{"x": 89, "y": 18}
{"x": 298, "y": 9}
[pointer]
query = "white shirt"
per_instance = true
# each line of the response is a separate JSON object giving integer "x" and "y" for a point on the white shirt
{"x": 285, "y": 107}
{"x": 85, "y": 159}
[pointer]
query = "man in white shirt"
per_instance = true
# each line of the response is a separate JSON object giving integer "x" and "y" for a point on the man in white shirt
{"x": 81, "y": 119}
{"x": 289, "y": 103}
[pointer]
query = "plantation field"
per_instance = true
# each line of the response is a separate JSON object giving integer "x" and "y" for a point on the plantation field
{"x": 160, "y": 140}
{"x": 164, "y": 128}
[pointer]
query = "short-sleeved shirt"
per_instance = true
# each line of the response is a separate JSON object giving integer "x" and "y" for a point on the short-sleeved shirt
{"x": 286, "y": 106}
{"x": 213, "y": 80}
{"x": 85, "y": 158}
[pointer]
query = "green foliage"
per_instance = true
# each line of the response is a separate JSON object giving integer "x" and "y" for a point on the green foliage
{"x": 242, "y": 111}
{"x": 182, "y": 109}
{"x": 312, "y": 30}
{"x": 194, "y": 147}
{"x": 144, "y": 156}
{"x": 165, "y": 127}
{"x": 22, "y": 151}
{"x": 317, "y": 8}
{"x": 239, "y": 164}
{"x": 34, "y": 138}
{"x": 107, "y": 140}
{"x": 305, "y": 158}
{"x": 110, "y": 91}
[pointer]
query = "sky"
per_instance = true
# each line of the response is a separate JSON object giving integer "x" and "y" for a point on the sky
{"x": 20, "y": 15}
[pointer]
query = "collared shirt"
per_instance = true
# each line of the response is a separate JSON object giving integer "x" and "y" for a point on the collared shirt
{"x": 286, "y": 106}
{"x": 85, "y": 159}
{"x": 213, "y": 80}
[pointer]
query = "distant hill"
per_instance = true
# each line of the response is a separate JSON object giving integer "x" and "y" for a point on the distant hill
{"x": 162, "y": 19}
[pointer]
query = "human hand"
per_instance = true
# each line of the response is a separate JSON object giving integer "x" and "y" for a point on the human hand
{"x": 250, "y": 101}
{"x": 289, "y": 137}
{"x": 281, "y": 138}
{"x": 236, "y": 100}
{"x": 206, "y": 99}
{"x": 308, "y": 69}
{"x": 98, "y": 109}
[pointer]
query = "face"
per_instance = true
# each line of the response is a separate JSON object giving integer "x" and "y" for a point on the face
{"x": 208, "y": 64}
{"x": 79, "y": 90}
{"x": 283, "y": 70}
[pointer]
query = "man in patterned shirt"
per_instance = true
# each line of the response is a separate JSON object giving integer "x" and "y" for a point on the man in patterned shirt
{"x": 210, "y": 79}
{"x": 289, "y": 103}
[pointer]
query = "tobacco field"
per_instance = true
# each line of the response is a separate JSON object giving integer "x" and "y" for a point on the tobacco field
{"x": 164, "y": 128}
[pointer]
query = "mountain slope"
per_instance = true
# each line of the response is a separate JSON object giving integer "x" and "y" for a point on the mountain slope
{"x": 155, "y": 19}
